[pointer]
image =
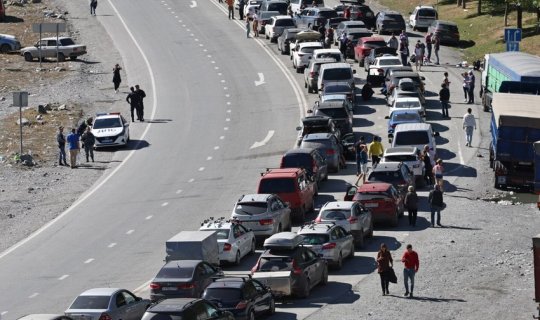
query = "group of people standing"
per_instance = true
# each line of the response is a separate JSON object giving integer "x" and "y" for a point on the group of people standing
{"x": 385, "y": 264}
{"x": 135, "y": 99}
{"x": 83, "y": 134}
{"x": 422, "y": 50}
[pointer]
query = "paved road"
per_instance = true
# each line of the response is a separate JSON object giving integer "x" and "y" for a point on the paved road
{"x": 193, "y": 159}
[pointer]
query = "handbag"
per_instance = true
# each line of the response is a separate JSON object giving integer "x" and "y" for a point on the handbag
{"x": 391, "y": 274}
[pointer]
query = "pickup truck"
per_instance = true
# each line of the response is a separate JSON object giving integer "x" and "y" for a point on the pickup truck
{"x": 48, "y": 47}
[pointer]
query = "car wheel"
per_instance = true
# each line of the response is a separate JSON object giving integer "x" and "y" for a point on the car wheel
{"x": 272, "y": 307}
{"x": 5, "y": 48}
{"x": 28, "y": 56}
{"x": 266, "y": 36}
{"x": 351, "y": 254}
{"x": 61, "y": 57}
{"x": 73, "y": 58}
{"x": 361, "y": 62}
{"x": 324, "y": 279}
{"x": 360, "y": 240}
{"x": 299, "y": 69}
{"x": 370, "y": 233}
{"x": 251, "y": 315}
{"x": 237, "y": 258}
{"x": 306, "y": 289}
{"x": 253, "y": 247}
{"x": 339, "y": 262}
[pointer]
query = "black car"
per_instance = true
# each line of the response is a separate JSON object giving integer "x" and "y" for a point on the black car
{"x": 363, "y": 13}
{"x": 316, "y": 124}
{"x": 308, "y": 159}
{"x": 182, "y": 279}
{"x": 395, "y": 173}
{"x": 244, "y": 297}
{"x": 389, "y": 21}
{"x": 186, "y": 309}
{"x": 338, "y": 111}
{"x": 285, "y": 39}
{"x": 339, "y": 87}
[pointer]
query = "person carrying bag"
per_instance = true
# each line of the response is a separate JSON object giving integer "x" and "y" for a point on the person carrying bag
{"x": 384, "y": 268}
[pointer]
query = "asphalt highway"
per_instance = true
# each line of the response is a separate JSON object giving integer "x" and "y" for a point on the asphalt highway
{"x": 221, "y": 109}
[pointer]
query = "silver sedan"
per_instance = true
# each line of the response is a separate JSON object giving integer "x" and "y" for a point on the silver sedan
{"x": 264, "y": 214}
{"x": 107, "y": 303}
{"x": 331, "y": 241}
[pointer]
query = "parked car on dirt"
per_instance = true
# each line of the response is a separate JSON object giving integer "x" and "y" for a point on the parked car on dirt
{"x": 389, "y": 21}
{"x": 447, "y": 31}
{"x": 9, "y": 43}
{"x": 67, "y": 48}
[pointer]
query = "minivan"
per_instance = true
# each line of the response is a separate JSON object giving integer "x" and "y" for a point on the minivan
{"x": 422, "y": 17}
{"x": 339, "y": 71}
{"x": 415, "y": 135}
{"x": 308, "y": 159}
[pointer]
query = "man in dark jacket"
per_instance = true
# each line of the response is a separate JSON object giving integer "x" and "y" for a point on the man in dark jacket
{"x": 241, "y": 5}
{"x": 134, "y": 100}
{"x": 88, "y": 139}
{"x": 142, "y": 95}
{"x": 436, "y": 203}
{"x": 61, "y": 139}
{"x": 444, "y": 97}
{"x": 411, "y": 203}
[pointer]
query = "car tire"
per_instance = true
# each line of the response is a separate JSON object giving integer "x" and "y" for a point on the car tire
{"x": 272, "y": 307}
{"x": 253, "y": 246}
{"x": 299, "y": 69}
{"x": 351, "y": 254}
{"x": 370, "y": 233}
{"x": 28, "y": 56}
{"x": 360, "y": 240}
{"x": 361, "y": 62}
{"x": 306, "y": 290}
{"x": 324, "y": 278}
{"x": 339, "y": 262}
{"x": 5, "y": 48}
{"x": 266, "y": 36}
{"x": 237, "y": 259}
{"x": 251, "y": 315}
{"x": 73, "y": 58}
{"x": 61, "y": 57}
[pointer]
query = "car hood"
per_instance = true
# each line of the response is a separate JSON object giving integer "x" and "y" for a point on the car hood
{"x": 7, "y": 36}
{"x": 106, "y": 132}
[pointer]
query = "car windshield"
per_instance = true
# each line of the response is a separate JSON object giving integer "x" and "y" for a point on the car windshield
{"x": 337, "y": 88}
{"x": 427, "y": 13}
{"x": 223, "y": 294}
{"x": 336, "y": 56}
{"x": 371, "y": 196}
{"x": 384, "y": 176}
{"x": 251, "y": 208}
{"x": 107, "y": 123}
{"x": 336, "y": 214}
{"x": 447, "y": 27}
{"x": 268, "y": 14}
{"x": 275, "y": 263}
{"x": 400, "y": 158}
{"x": 389, "y": 62}
{"x": 277, "y": 185}
{"x": 411, "y": 138}
{"x": 285, "y": 23}
{"x": 222, "y": 234}
{"x": 328, "y": 14}
{"x": 309, "y": 49}
{"x": 407, "y": 104}
{"x": 337, "y": 74}
{"x": 299, "y": 160}
{"x": 315, "y": 239}
{"x": 281, "y": 7}
{"x": 333, "y": 113}
{"x": 91, "y": 302}
{"x": 172, "y": 272}
{"x": 374, "y": 44}
{"x": 406, "y": 117}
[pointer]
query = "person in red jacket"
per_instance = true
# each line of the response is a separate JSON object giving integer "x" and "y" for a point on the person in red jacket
{"x": 411, "y": 264}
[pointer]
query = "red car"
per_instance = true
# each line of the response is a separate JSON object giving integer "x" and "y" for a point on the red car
{"x": 364, "y": 46}
{"x": 292, "y": 185}
{"x": 384, "y": 201}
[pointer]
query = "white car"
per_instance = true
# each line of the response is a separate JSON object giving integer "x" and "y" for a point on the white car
{"x": 408, "y": 155}
{"x": 422, "y": 17}
{"x": 381, "y": 64}
{"x": 337, "y": 97}
{"x": 274, "y": 28}
{"x": 235, "y": 241}
{"x": 304, "y": 53}
{"x": 328, "y": 53}
{"x": 110, "y": 130}
{"x": 48, "y": 48}
{"x": 412, "y": 104}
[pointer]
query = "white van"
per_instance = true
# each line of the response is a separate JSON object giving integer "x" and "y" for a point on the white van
{"x": 416, "y": 135}
{"x": 422, "y": 17}
{"x": 339, "y": 71}
{"x": 298, "y": 5}
{"x": 328, "y": 53}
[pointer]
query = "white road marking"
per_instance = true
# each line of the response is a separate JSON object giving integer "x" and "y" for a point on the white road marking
{"x": 3, "y": 313}
{"x": 178, "y": 191}
{"x": 63, "y": 277}
{"x": 209, "y": 56}
{"x": 148, "y": 217}
{"x": 201, "y": 169}
{"x": 229, "y": 111}
{"x": 164, "y": 204}
{"x": 220, "y": 74}
{"x": 225, "y": 88}
{"x": 188, "y": 30}
{"x": 212, "y": 62}
{"x": 89, "y": 260}
{"x": 223, "y": 81}
{"x": 193, "y": 4}
{"x": 228, "y": 95}
{"x": 130, "y": 231}
{"x": 184, "y": 25}
{"x": 192, "y": 35}
{"x": 216, "y": 148}
{"x": 201, "y": 45}
{"x": 222, "y": 137}
{"x": 204, "y": 50}
{"x": 142, "y": 287}
{"x": 260, "y": 81}
{"x": 112, "y": 245}
{"x": 228, "y": 119}
{"x": 33, "y": 295}
{"x": 208, "y": 158}
{"x": 269, "y": 136}
{"x": 228, "y": 103}
{"x": 225, "y": 128}
{"x": 191, "y": 180}
{"x": 216, "y": 68}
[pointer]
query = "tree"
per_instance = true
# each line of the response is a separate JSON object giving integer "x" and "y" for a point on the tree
{"x": 479, "y": 9}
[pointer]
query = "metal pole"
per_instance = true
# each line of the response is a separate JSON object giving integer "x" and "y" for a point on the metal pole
{"x": 20, "y": 127}
{"x": 40, "y": 45}
{"x": 57, "y": 25}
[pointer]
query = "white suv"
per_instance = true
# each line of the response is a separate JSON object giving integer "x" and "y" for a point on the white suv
{"x": 422, "y": 17}
{"x": 304, "y": 53}
{"x": 408, "y": 155}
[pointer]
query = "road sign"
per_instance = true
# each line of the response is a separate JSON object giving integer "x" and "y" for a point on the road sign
{"x": 512, "y": 34}
{"x": 20, "y": 99}
{"x": 512, "y": 45}
{"x": 48, "y": 27}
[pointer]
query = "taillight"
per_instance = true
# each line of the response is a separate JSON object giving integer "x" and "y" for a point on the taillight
{"x": 296, "y": 269}
{"x": 265, "y": 222}
{"x": 186, "y": 286}
{"x": 330, "y": 245}
{"x": 227, "y": 247}
{"x": 394, "y": 125}
{"x": 155, "y": 286}
{"x": 105, "y": 316}
{"x": 318, "y": 219}
{"x": 353, "y": 220}
{"x": 241, "y": 305}
{"x": 330, "y": 152}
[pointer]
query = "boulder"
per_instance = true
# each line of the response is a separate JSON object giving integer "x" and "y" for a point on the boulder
{"x": 25, "y": 122}
{"x": 62, "y": 107}
{"x": 27, "y": 160}
{"x": 42, "y": 109}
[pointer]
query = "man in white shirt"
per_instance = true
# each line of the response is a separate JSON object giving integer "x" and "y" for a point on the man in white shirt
{"x": 469, "y": 124}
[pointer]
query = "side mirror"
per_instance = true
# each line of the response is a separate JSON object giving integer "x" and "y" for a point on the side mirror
{"x": 423, "y": 78}
{"x": 298, "y": 128}
{"x": 354, "y": 71}
{"x": 436, "y": 134}
{"x": 387, "y": 117}
{"x": 310, "y": 111}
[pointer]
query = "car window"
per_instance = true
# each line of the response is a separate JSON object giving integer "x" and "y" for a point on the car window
{"x": 107, "y": 123}
{"x": 238, "y": 232}
{"x": 374, "y": 44}
{"x": 91, "y": 302}
{"x": 406, "y": 138}
{"x": 51, "y": 43}
{"x": 275, "y": 263}
{"x": 223, "y": 294}
{"x": 371, "y": 196}
{"x": 389, "y": 62}
{"x": 427, "y": 13}
{"x": 337, "y": 88}
{"x": 284, "y": 23}
{"x": 200, "y": 311}
{"x": 309, "y": 255}
{"x": 336, "y": 74}
{"x": 274, "y": 206}
{"x": 249, "y": 291}
{"x": 328, "y": 14}
{"x": 400, "y": 158}
{"x": 341, "y": 232}
{"x": 336, "y": 214}
{"x": 120, "y": 300}
{"x": 406, "y": 117}
{"x": 251, "y": 208}
{"x": 221, "y": 233}
{"x": 315, "y": 239}
{"x": 277, "y": 185}
{"x": 208, "y": 269}
{"x": 128, "y": 297}
{"x": 280, "y": 203}
{"x": 334, "y": 113}
{"x": 244, "y": 229}
{"x": 384, "y": 176}
{"x": 334, "y": 235}
{"x": 258, "y": 286}
{"x": 301, "y": 182}
{"x": 175, "y": 271}
{"x": 67, "y": 42}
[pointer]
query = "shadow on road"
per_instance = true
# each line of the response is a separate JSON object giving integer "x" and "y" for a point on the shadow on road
{"x": 361, "y": 122}
{"x": 321, "y": 295}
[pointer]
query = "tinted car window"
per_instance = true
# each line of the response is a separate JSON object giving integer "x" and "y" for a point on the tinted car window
{"x": 374, "y": 44}
{"x": 328, "y": 14}
{"x": 371, "y": 196}
{"x": 275, "y": 263}
{"x": 336, "y": 88}
{"x": 281, "y": 7}
{"x": 285, "y": 23}
{"x": 251, "y": 208}
{"x": 389, "y": 62}
{"x": 336, "y": 214}
{"x": 428, "y": 13}
{"x": 315, "y": 239}
{"x": 91, "y": 302}
{"x": 400, "y": 158}
{"x": 223, "y": 294}
{"x": 385, "y": 176}
{"x": 333, "y": 112}
{"x": 337, "y": 74}
{"x": 175, "y": 272}
{"x": 107, "y": 123}
{"x": 221, "y": 233}
{"x": 411, "y": 138}
{"x": 309, "y": 49}
{"x": 406, "y": 117}
{"x": 67, "y": 42}
{"x": 447, "y": 27}
{"x": 278, "y": 185}
{"x": 298, "y": 160}
{"x": 394, "y": 16}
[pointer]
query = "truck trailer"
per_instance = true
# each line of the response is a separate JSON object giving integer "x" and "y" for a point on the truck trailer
{"x": 509, "y": 72}
{"x": 515, "y": 127}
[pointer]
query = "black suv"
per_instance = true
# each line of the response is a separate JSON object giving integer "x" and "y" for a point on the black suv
{"x": 338, "y": 111}
{"x": 389, "y": 21}
{"x": 363, "y": 13}
{"x": 186, "y": 309}
{"x": 313, "y": 18}
{"x": 395, "y": 173}
{"x": 244, "y": 297}
{"x": 316, "y": 124}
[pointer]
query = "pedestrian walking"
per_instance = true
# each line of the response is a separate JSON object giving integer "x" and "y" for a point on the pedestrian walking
{"x": 134, "y": 101}
{"x": 436, "y": 47}
{"x": 361, "y": 159}
{"x": 411, "y": 264}
{"x": 248, "y": 25}
{"x": 255, "y": 18}
{"x": 469, "y": 124}
{"x": 446, "y": 81}
{"x": 142, "y": 95}
{"x": 73, "y": 142}
{"x": 404, "y": 52}
{"x": 471, "y": 80}
{"x": 393, "y": 42}
{"x": 429, "y": 45}
{"x": 343, "y": 40}
{"x": 436, "y": 204}
{"x": 419, "y": 56}
{"x": 444, "y": 97}
{"x": 230, "y": 4}
{"x": 438, "y": 171}
{"x": 465, "y": 86}
{"x": 428, "y": 166}
{"x": 403, "y": 37}
{"x": 93, "y": 6}
{"x": 384, "y": 264}
{"x": 116, "y": 77}
{"x": 61, "y": 139}
{"x": 88, "y": 139}
{"x": 411, "y": 203}
{"x": 241, "y": 5}
{"x": 375, "y": 151}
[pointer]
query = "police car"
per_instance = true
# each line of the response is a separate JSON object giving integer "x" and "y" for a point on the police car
{"x": 235, "y": 241}
{"x": 111, "y": 130}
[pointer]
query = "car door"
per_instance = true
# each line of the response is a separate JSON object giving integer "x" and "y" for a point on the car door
{"x": 364, "y": 218}
{"x": 350, "y": 192}
{"x": 250, "y": 294}
{"x": 120, "y": 304}
{"x": 341, "y": 241}
{"x": 263, "y": 299}
{"x": 134, "y": 310}
{"x": 203, "y": 273}
{"x": 284, "y": 213}
{"x": 49, "y": 51}
{"x": 245, "y": 240}
{"x": 312, "y": 266}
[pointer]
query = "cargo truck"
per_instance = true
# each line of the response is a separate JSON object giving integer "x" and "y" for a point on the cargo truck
{"x": 515, "y": 127}
{"x": 509, "y": 72}
{"x": 193, "y": 245}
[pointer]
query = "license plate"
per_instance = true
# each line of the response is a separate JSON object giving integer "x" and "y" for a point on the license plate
{"x": 107, "y": 140}
{"x": 371, "y": 205}
{"x": 168, "y": 288}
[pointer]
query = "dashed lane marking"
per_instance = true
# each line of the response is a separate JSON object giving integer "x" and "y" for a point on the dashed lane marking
{"x": 164, "y": 204}
{"x": 229, "y": 111}
{"x": 201, "y": 169}
{"x": 112, "y": 245}
{"x": 130, "y": 231}
{"x": 89, "y": 260}
{"x": 208, "y": 158}
{"x": 148, "y": 217}
{"x": 191, "y": 180}
{"x": 216, "y": 148}
{"x": 225, "y": 128}
{"x": 222, "y": 137}
{"x": 178, "y": 191}
{"x": 228, "y": 119}
{"x": 33, "y": 295}
{"x": 63, "y": 277}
